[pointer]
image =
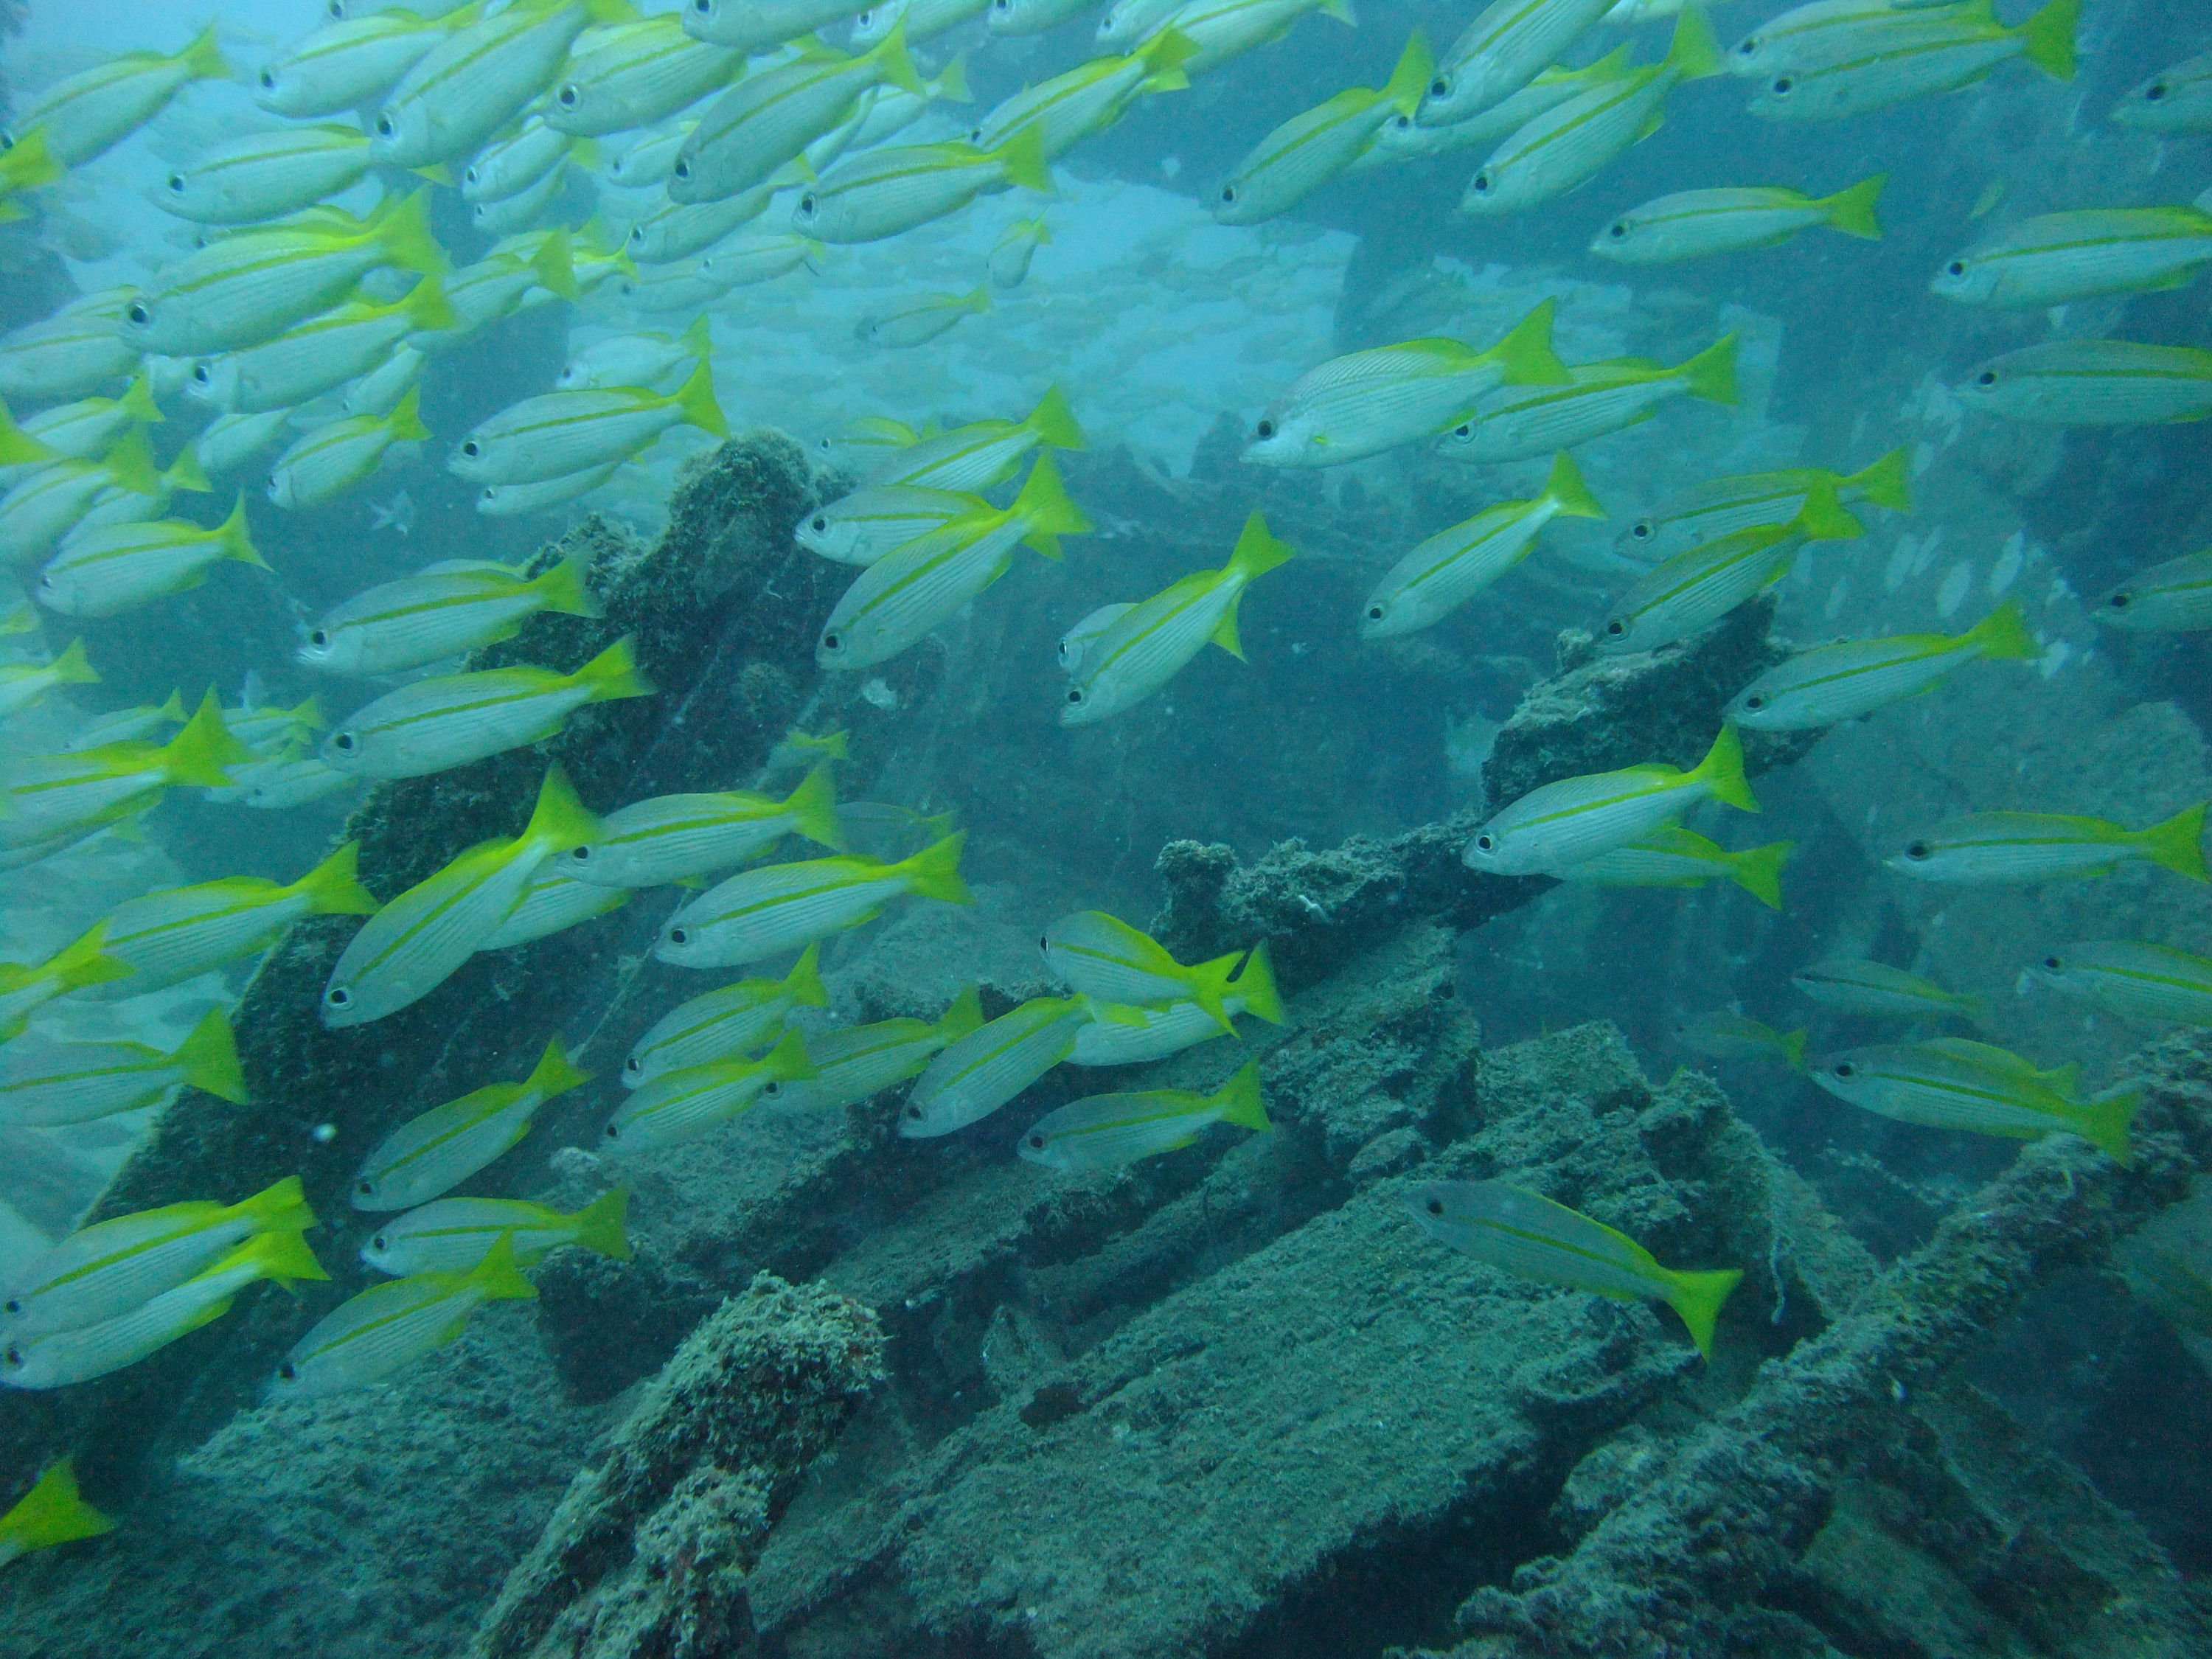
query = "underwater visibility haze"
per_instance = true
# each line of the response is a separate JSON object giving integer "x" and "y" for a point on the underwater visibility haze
{"x": 1034, "y": 829}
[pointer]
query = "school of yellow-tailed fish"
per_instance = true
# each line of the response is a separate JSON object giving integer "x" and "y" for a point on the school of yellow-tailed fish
{"x": 302, "y": 330}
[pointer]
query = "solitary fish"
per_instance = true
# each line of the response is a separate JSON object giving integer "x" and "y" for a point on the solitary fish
{"x": 454, "y": 719}
{"x": 411, "y": 946}
{"x": 971, "y": 1079}
{"x": 734, "y": 1020}
{"x": 2173, "y": 597}
{"x": 1840, "y": 682}
{"x": 1697, "y": 224}
{"x": 759, "y": 914}
{"x": 391, "y": 1327}
{"x": 2025, "y": 847}
{"x": 1367, "y": 402}
{"x": 1145, "y": 647}
{"x": 51, "y": 1513}
{"x": 1949, "y": 1082}
{"x": 651, "y": 843}
{"x": 1683, "y": 857}
{"x": 435, "y": 1151}
{"x": 853, "y": 1063}
{"x": 1522, "y": 1232}
{"x": 113, "y": 1265}
{"x": 2123, "y": 976}
{"x": 453, "y": 1235}
{"x": 1852, "y": 984}
{"x": 1558, "y": 825}
{"x": 677, "y": 1105}
{"x": 44, "y": 1083}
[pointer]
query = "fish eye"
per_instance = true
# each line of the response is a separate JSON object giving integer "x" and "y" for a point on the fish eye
{"x": 1464, "y": 431}
{"x": 581, "y": 854}
{"x": 975, "y": 137}
{"x": 703, "y": 7}
{"x": 1755, "y": 701}
{"x": 288, "y": 1371}
{"x": 831, "y": 642}
{"x": 1615, "y": 628}
{"x": 1402, "y": 123}
{"x": 344, "y": 742}
{"x": 385, "y": 127}
{"x": 2052, "y": 963}
{"x": 380, "y": 1243}
{"x": 15, "y": 1355}
{"x": 1956, "y": 268}
{"x": 364, "y": 1188}
{"x": 1037, "y": 1141}
{"x": 1784, "y": 85}
{"x": 807, "y": 204}
{"x": 2117, "y": 602}
{"x": 632, "y": 1063}
{"x": 321, "y": 636}
{"x": 471, "y": 448}
{"x": 771, "y": 1087}
{"x": 1075, "y": 696}
{"x": 913, "y": 1110}
{"x": 1436, "y": 1206}
{"x": 1642, "y": 530}
{"x": 1987, "y": 377}
{"x": 269, "y": 80}
{"x": 1228, "y": 193}
{"x": 1619, "y": 230}
{"x": 1844, "y": 1068}
{"x": 137, "y": 313}
{"x": 821, "y": 523}
{"x": 614, "y": 1132}
{"x": 1481, "y": 186}
{"x": 1918, "y": 849}
{"x": 1748, "y": 46}
{"x": 1264, "y": 431}
{"x": 337, "y": 997}
{"x": 177, "y": 183}
{"x": 1440, "y": 88}
{"x": 46, "y": 580}
{"x": 1486, "y": 842}
{"x": 2155, "y": 92}
{"x": 201, "y": 375}
{"x": 567, "y": 95}
{"x": 471, "y": 177}
{"x": 15, "y": 1305}
{"x": 679, "y": 936}
{"x": 1045, "y": 943}
{"x": 1374, "y": 613}
{"x": 682, "y": 169}
{"x": 862, "y": 19}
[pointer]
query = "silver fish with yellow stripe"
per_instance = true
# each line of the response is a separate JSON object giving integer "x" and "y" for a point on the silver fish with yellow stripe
{"x": 1949, "y": 1082}
{"x": 2055, "y": 258}
{"x": 881, "y": 193}
{"x": 391, "y": 1327}
{"x": 2175, "y": 596}
{"x": 559, "y": 433}
{"x": 877, "y": 518}
{"x": 444, "y": 609}
{"x": 414, "y": 944}
{"x": 2094, "y": 383}
{"x": 1104, "y": 957}
{"x": 1145, "y": 647}
{"x": 1697, "y": 224}
{"x": 972, "y": 1078}
{"x": 83, "y": 115}
{"x": 1866, "y": 68}
{"x": 112, "y": 568}
{"x": 454, "y": 719}
{"x": 351, "y": 63}
{"x": 668, "y": 838}
{"x": 759, "y": 914}
{"x": 734, "y": 1020}
{"x": 1840, "y": 682}
{"x": 1451, "y": 567}
{"x": 633, "y": 74}
{"x": 1516, "y": 423}
{"x": 1309, "y": 149}
{"x": 1683, "y": 857}
{"x": 1559, "y": 824}
{"x": 2031, "y": 846}
{"x": 265, "y": 174}
{"x": 324, "y": 351}
{"x": 982, "y": 452}
{"x": 474, "y": 81}
{"x": 1108, "y": 1132}
{"x": 2133, "y": 978}
{"x": 44, "y": 1083}
{"x": 757, "y": 127}
{"x": 854, "y": 1063}
{"x": 1853, "y": 985}
{"x": 1505, "y": 47}
{"x": 678, "y": 1105}
{"x": 1707, "y": 512}
{"x": 453, "y": 1235}
{"x": 1092, "y": 96}
{"x": 435, "y": 1151}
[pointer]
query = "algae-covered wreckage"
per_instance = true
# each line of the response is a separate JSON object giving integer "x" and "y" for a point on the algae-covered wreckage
{"x": 860, "y": 1396}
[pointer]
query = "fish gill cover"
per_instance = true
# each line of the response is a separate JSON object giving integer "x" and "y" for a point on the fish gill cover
{"x": 906, "y": 805}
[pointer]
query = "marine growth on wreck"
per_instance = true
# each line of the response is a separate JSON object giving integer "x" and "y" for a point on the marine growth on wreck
{"x": 1032, "y": 829}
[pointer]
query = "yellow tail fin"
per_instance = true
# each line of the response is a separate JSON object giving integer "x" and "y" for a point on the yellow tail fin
{"x": 331, "y": 888}
{"x": 1410, "y": 79}
{"x": 406, "y": 421}
{"x": 1721, "y": 772}
{"x": 951, "y": 86}
{"x": 1822, "y": 518}
{"x": 204, "y": 59}
{"x": 184, "y": 473}
{"x": 893, "y": 63}
{"x": 1793, "y": 1048}
{"x": 614, "y": 673}
{"x": 566, "y": 587}
{"x": 82, "y": 962}
{"x": 558, "y": 819}
{"x": 934, "y": 872}
{"x": 1698, "y": 1297}
{"x": 1526, "y": 350}
{"x": 1044, "y": 508}
{"x": 803, "y": 984}
{"x": 599, "y": 1225}
{"x": 553, "y": 1074}
{"x": 402, "y": 231}
{"x": 2003, "y": 635}
{"x": 236, "y": 539}
{"x": 1852, "y": 212}
{"x": 1022, "y": 158}
{"x": 281, "y": 1255}
{"x": 696, "y": 399}
{"x": 812, "y": 807}
{"x": 200, "y": 752}
{"x": 280, "y": 1207}
{"x": 788, "y": 1059}
{"x": 1054, "y": 421}
{"x": 130, "y": 464}
{"x": 71, "y": 668}
{"x": 1710, "y": 375}
{"x": 1694, "y": 54}
{"x": 555, "y": 267}
{"x": 2179, "y": 843}
{"x": 1164, "y": 56}
{"x": 209, "y": 1059}
{"x": 1239, "y": 1099}
{"x": 427, "y": 307}
{"x": 2104, "y": 1122}
{"x": 51, "y": 1513}
{"x": 1885, "y": 484}
{"x": 1209, "y": 988}
{"x": 1567, "y": 490}
{"x": 1255, "y": 984}
{"x": 963, "y": 1014}
{"x": 497, "y": 1278}
{"x": 2047, "y": 39}
{"x": 1757, "y": 871}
